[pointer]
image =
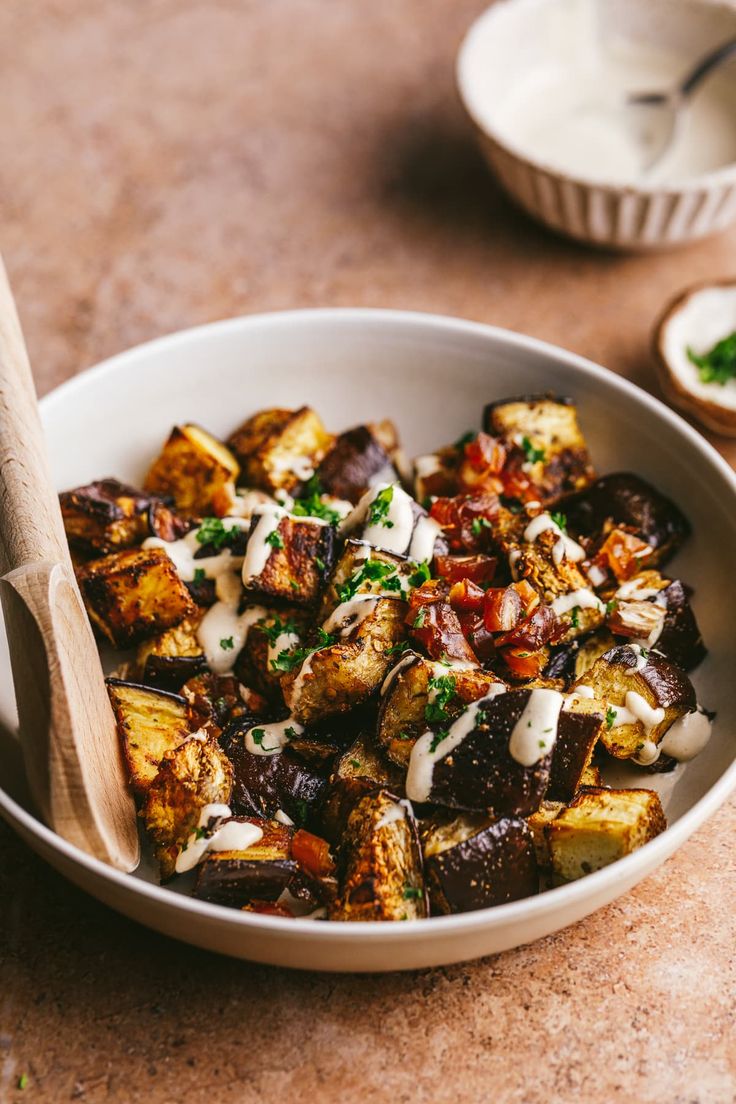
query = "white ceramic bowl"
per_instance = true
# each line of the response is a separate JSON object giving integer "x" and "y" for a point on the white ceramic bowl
{"x": 514, "y": 38}
{"x": 433, "y": 376}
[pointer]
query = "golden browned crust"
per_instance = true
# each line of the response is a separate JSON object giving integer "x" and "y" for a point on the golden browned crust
{"x": 195, "y": 469}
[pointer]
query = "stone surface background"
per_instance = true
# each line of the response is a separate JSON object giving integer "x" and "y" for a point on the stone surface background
{"x": 168, "y": 162}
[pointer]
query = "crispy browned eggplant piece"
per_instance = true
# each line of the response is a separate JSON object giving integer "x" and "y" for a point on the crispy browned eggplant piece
{"x": 345, "y": 674}
{"x": 538, "y": 821}
{"x": 258, "y": 663}
{"x": 360, "y": 770}
{"x": 405, "y": 698}
{"x": 662, "y": 686}
{"x": 579, "y": 729}
{"x": 545, "y": 431}
{"x": 279, "y": 449}
{"x": 680, "y": 640}
{"x": 216, "y": 700}
{"x": 481, "y": 775}
{"x": 301, "y": 556}
{"x": 134, "y": 594}
{"x": 195, "y": 469}
{"x": 150, "y": 724}
{"x": 108, "y": 516}
{"x": 174, "y": 656}
{"x": 356, "y": 462}
{"x": 472, "y": 866}
{"x": 263, "y": 784}
{"x": 195, "y": 774}
{"x": 380, "y": 863}
{"x": 601, "y": 826}
{"x": 261, "y": 872}
{"x": 627, "y": 500}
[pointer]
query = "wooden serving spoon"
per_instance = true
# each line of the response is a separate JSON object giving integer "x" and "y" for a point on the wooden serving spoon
{"x": 67, "y": 728}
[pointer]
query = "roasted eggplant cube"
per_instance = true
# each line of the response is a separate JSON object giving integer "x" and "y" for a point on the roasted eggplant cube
{"x": 629, "y": 501}
{"x": 343, "y": 675}
{"x": 195, "y": 469}
{"x": 480, "y": 774}
{"x": 301, "y": 553}
{"x": 661, "y": 694}
{"x": 195, "y": 774}
{"x": 680, "y": 640}
{"x": 356, "y": 462}
{"x": 469, "y": 868}
{"x": 360, "y": 770}
{"x": 173, "y": 657}
{"x": 134, "y": 594}
{"x": 578, "y": 732}
{"x": 380, "y": 863}
{"x": 261, "y": 872}
{"x": 405, "y": 698}
{"x": 216, "y": 700}
{"x": 150, "y": 723}
{"x": 547, "y": 430}
{"x": 545, "y": 814}
{"x": 601, "y": 826}
{"x": 263, "y": 784}
{"x": 106, "y": 516}
{"x": 259, "y": 663}
{"x": 280, "y": 449}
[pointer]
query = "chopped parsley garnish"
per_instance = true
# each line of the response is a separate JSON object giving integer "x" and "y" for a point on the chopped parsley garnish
{"x": 258, "y": 735}
{"x": 290, "y": 733}
{"x": 478, "y": 525}
{"x": 438, "y": 738}
{"x": 441, "y": 693}
{"x": 718, "y": 365}
{"x": 466, "y": 438}
{"x": 611, "y": 715}
{"x": 643, "y": 652}
{"x": 575, "y": 616}
{"x": 542, "y": 743}
{"x": 372, "y": 571}
{"x": 421, "y": 575}
{"x": 420, "y": 618}
{"x": 276, "y": 628}
{"x": 227, "y": 644}
{"x": 560, "y": 521}
{"x": 275, "y": 539}
{"x": 213, "y": 531}
{"x": 199, "y": 575}
{"x": 288, "y": 660}
{"x": 300, "y": 810}
{"x": 294, "y": 585}
{"x": 397, "y": 649}
{"x": 200, "y": 833}
{"x": 23, "y": 1081}
{"x": 311, "y": 505}
{"x": 610, "y": 606}
{"x": 411, "y": 893}
{"x": 319, "y": 563}
{"x": 355, "y": 763}
{"x": 532, "y": 454}
{"x": 379, "y": 507}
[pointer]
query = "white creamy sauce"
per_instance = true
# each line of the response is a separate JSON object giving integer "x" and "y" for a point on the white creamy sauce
{"x": 423, "y": 539}
{"x": 348, "y": 615}
{"x": 582, "y": 599}
{"x": 535, "y": 732}
{"x": 636, "y": 589}
{"x": 181, "y": 553}
{"x": 687, "y": 737}
{"x": 272, "y": 737}
{"x": 406, "y": 660}
{"x": 284, "y": 642}
{"x": 705, "y": 317}
{"x": 222, "y": 633}
{"x": 514, "y": 557}
{"x": 641, "y": 658}
{"x": 576, "y": 693}
{"x": 637, "y": 709}
{"x": 244, "y": 501}
{"x": 293, "y": 693}
{"x": 647, "y": 754}
{"x": 568, "y": 110}
{"x": 423, "y": 757}
{"x": 564, "y": 548}
{"x": 283, "y": 818}
{"x": 291, "y": 462}
{"x": 399, "y": 810}
{"x": 231, "y": 836}
{"x": 596, "y": 575}
{"x": 393, "y": 530}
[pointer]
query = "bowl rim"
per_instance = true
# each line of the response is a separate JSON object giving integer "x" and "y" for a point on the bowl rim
{"x": 631, "y": 867}
{"x": 723, "y": 176}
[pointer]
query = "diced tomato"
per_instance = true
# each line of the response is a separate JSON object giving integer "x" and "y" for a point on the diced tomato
{"x": 524, "y": 664}
{"x": 465, "y": 595}
{"x": 503, "y": 609}
{"x": 466, "y": 520}
{"x": 478, "y": 568}
{"x": 312, "y": 853}
{"x": 624, "y": 553}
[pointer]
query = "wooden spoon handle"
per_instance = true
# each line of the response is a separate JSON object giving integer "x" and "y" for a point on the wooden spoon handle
{"x": 31, "y": 528}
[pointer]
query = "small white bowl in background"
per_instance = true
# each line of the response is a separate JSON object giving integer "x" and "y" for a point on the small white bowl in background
{"x": 515, "y": 41}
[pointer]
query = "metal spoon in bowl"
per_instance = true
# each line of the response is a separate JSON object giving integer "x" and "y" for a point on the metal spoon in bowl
{"x": 655, "y": 116}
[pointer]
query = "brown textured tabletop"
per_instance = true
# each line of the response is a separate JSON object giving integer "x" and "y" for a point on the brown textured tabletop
{"x": 168, "y": 162}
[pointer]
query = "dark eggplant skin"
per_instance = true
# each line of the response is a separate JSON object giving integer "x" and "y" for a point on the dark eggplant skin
{"x": 562, "y": 659}
{"x": 356, "y": 460}
{"x": 496, "y": 865}
{"x": 171, "y": 672}
{"x": 262, "y": 784}
{"x": 627, "y": 499}
{"x": 236, "y": 877}
{"x": 480, "y": 774}
{"x": 680, "y": 640}
{"x": 669, "y": 684}
{"x": 577, "y": 735}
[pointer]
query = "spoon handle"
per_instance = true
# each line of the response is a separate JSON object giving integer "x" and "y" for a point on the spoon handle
{"x": 706, "y": 65}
